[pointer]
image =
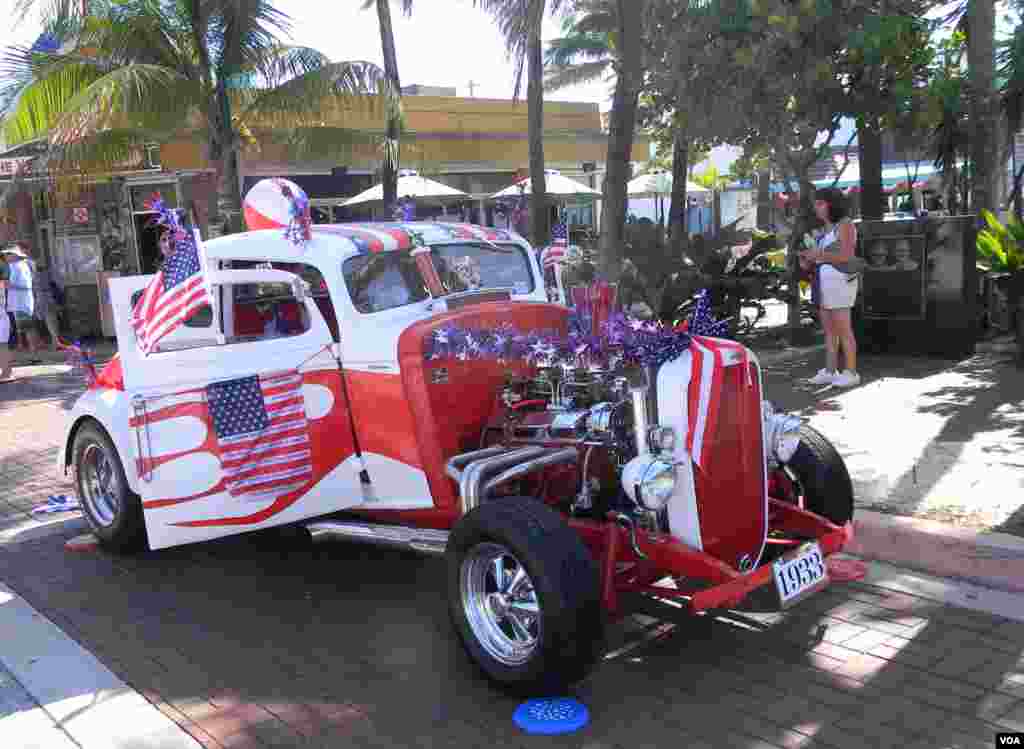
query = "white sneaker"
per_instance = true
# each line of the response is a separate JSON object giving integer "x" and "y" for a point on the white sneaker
{"x": 824, "y": 377}
{"x": 846, "y": 379}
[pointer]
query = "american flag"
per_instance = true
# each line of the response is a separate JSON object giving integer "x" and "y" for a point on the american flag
{"x": 174, "y": 295}
{"x": 262, "y": 434}
{"x": 708, "y": 349}
{"x": 559, "y": 234}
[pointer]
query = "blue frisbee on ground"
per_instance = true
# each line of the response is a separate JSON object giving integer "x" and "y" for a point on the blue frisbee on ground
{"x": 551, "y": 716}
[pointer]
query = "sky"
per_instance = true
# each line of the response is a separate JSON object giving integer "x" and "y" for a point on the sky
{"x": 445, "y": 43}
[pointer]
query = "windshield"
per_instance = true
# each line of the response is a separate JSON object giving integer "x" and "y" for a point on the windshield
{"x": 464, "y": 267}
{"x": 385, "y": 280}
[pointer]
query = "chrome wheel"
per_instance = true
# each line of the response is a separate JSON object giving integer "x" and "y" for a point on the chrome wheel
{"x": 99, "y": 485}
{"x": 500, "y": 603}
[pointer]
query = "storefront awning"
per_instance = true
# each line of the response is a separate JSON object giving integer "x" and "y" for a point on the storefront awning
{"x": 891, "y": 175}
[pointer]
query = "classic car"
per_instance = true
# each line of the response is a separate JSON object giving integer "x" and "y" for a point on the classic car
{"x": 316, "y": 392}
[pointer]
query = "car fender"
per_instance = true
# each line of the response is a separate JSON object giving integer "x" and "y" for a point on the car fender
{"x": 112, "y": 410}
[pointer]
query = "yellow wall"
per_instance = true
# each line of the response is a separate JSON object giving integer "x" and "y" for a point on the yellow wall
{"x": 444, "y": 130}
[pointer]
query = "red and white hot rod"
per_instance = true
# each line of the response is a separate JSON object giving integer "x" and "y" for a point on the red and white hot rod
{"x": 342, "y": 386}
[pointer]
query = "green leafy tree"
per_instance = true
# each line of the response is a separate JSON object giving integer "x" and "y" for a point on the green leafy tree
{"x": 139, "y": 71}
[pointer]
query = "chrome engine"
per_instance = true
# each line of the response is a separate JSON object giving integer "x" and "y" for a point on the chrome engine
{"x": 600, "y": 427}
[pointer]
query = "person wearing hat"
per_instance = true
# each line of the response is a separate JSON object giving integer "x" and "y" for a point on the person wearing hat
{"x": 21, "y": 297}
{"x": 5, "y": 323}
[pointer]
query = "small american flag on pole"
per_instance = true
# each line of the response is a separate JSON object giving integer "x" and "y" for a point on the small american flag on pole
{"x": 174, "y": 295}
{"x": 559, "y": 234}
{"x": 262, "y": 434}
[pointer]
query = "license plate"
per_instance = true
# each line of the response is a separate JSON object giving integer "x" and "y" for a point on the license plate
{"x": 800, "y": 573}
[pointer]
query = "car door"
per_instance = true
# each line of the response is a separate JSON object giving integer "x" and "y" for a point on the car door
{"x": 236, "y": 432}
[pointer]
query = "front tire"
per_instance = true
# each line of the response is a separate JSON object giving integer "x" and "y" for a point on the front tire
{"x": 823, "y": 480}
{"x": 524, "y": 596}
{"x": 112, "y": 509}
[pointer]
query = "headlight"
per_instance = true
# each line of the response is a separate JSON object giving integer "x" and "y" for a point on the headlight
{"x": 649, "y": 480}
{"x": 781, "y": 434}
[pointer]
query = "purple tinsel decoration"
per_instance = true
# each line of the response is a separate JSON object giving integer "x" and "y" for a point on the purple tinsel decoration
{"x": 701, "y": 323}
{"x": 622, "y": 340}
{"x": 168, "y": 217}
{"x": 299, "y": 229}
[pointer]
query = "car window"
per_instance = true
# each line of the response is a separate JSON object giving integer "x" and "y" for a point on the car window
{"x": 246, "y": 293}
{"x": 470, "y": 265}
{"x": 261, "y": 312}
{"x": 203, "y": 318}
{"x": 266, "y": 310}
{"x": 383, "y": 280}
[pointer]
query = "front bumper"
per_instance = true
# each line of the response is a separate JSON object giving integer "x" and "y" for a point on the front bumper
{"x": 662, "y": 556}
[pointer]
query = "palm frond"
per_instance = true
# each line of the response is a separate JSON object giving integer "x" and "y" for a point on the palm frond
{"x": 302, "y": 99}
{"x": 39, "y": 104}
{"x": 110, "y": 150}
{"x": 243, "y": 31}
{"x": 285, "y": 62}
{"x": 573, "y": 75}
{"x": 566, "y": 50}
{"x": 143, "y": 97}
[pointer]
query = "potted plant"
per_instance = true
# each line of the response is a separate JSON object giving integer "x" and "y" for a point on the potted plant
{"x": 1001, "y": 248}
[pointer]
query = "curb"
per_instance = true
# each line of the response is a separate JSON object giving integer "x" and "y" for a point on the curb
{"x": 991, "y": 560}
{"x": 76, "y": 692}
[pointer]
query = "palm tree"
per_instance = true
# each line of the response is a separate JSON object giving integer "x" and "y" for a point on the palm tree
{"x": 139, "y": 71}
{"x": 621, "y": 126}
{"x": 387, "y": 42}
{"x": 520, "y": 23}
{"x": 981, "y": 19}
{"x": 586, "y": 50}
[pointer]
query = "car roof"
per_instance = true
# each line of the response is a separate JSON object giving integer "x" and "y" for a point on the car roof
{"x": 356, "y": 238}
{"x": 397, "y": 235}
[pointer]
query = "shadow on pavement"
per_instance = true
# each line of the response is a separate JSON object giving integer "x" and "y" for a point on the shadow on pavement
{"x": 268, "y": 638}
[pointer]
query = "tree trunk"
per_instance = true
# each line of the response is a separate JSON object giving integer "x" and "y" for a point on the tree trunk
{"x": 983, "y": 113}
{"x": 387, "y": 42}
{"x": 869, "y": 146}
{"x": 804, "y": 222}
{"x": 764, "y": 199}
{"x": 228, "y": 216}
{"x": 677, "y": 207}
{"x": 539, "y": 225}
{"x": 621, "y": 124}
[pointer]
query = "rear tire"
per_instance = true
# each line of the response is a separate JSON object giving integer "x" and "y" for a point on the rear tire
{"x": 112, "y": 509}
{"x": 540, "y": 628}
{"x": 823, "y": 478}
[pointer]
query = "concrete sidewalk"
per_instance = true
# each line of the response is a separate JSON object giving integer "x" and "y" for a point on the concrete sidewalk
{"x": 933, "y": 448}
{"x": 54, "y": 694}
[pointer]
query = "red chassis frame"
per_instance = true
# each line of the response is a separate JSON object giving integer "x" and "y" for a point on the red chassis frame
{"x": 610, "y": 544}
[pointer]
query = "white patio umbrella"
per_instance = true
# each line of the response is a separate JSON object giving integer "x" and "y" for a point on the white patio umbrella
{"x": 411, "y": 185}
{"x": 658, "y": 184}
{"x": 556, "y": 185}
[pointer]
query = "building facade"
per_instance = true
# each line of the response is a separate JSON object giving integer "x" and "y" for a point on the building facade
{"x": 85, "y": 231}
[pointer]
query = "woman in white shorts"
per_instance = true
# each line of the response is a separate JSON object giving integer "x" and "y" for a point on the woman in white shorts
{"x": 837, "y": 290}
{"x": 5, "y": 327}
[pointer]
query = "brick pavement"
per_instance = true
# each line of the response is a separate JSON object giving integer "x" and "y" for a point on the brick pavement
{"x": 249, "y": 642}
